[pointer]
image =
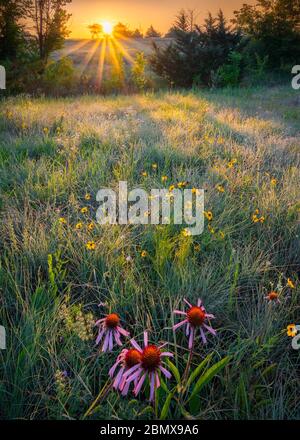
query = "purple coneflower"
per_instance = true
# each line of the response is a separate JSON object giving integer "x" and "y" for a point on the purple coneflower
{"x": 110, "y": 329}
{"x": 126, "y": 360}
{"x": 195, "y": 317}
{"x": 150, "y": 365}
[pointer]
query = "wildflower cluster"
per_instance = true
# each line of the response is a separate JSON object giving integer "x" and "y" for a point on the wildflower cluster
{"x": 137, "y": 364}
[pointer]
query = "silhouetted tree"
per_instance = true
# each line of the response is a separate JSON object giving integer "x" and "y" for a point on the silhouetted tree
{"x": 50, "y": 24}
{"x": 152, "y": 33}
{"x": 121, "y": 30}
{"x": 137, "y": 34}
{"x": 96, "y": 30}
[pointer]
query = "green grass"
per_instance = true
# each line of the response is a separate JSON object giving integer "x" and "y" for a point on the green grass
{"x": 51, "y": 285}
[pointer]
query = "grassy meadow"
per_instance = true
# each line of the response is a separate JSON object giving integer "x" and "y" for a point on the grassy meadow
{"x": 242, "y": 146}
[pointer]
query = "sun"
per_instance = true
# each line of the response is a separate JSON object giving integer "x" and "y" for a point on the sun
{"x": 107, "y": 28}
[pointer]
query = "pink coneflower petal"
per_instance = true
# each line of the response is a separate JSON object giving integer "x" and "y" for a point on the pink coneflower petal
{"x": 165, "y": 372}
{"x": 187, "y": 330}
{"x": 122, "y": 331}
{"x": 203, "y": 336}
{"x": 199, "y": 302}
{"x": 134, "y": 375}
{"x": 191, "y": 338}
{"x": 131, "y": 370}
{"x": 210, "y": 329}
{"x": 113, "y": 368}
{"x": 100, "y": 336}
{"x": 145, "y": 339}
{"x": 99, "y": 321}
{"x": 179, "y": 312}
{"x": 135, "y": 345}
{"x": 166, "y": 353}
{"x": 209, "y": 315}
{"x": 125, "y": 389}
{"x": 190, "y": 305}
{"x": 140, "y": 384}
{"x": 152, "y": 386}
{"x": 106, "y": 342}
{"x": 117, "y": 338}
{"x": 157, "y": 380}
{"x": 118, "y": 378}
{"x": 111, "y": 344}
{"x": 179, "y": 324}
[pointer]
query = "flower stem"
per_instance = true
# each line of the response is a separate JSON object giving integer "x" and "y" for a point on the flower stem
{"x": 189, "y": 361}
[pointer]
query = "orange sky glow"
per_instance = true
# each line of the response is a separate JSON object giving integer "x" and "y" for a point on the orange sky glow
{"x": 141, "y": 13}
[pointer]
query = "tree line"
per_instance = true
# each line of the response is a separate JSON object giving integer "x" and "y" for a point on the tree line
{"x": 122, "y": 30}
{"x": 261, "y": 39}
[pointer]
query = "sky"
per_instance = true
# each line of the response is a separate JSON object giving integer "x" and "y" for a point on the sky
{"x": 141, "y": 13}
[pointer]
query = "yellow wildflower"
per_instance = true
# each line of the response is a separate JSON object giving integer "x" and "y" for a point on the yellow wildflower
{"x": 171, "y": 187}
{"x": 46, "y": 130}
{"x": 273, "y": 182}
{"x": 291, "y": 330}
{"x": 144, "y": 173}
{"x": 91, "y": 226}
{"x": 220, "y": 188}
{"x": 91, "y": 245}
{"x": 78, "y": 225}
{"x": 211, "y": 229}
{"x": 208, "y": 215}
{"x": 186, "y": 233}
{"x": 144, "y": 254}
{"x": 62, "y": 220}
{"x": 84, "y": 210}
{"x": 164, "y": 178}
{"x": 290, "y": 284}
{"x": 87, "y": 196}
{"x": 154, "y": 166}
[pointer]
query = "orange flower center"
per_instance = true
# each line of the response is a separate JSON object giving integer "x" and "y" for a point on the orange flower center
{"x": 150, "y": 358}
{"x": 132, "y": 357}
{"x": 196, "y": 316}
{"x": 112, "y": 320}
{"x": 273, "y": 296}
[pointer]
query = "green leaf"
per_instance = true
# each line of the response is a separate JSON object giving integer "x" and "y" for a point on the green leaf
{"x": 208, "y": 375}
{"x": 198, "y": 369}
{"x": 175, "y": 371}
{"x": 165, "y": 408}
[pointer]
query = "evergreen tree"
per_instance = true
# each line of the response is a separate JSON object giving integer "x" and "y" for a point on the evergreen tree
{"x": 195, "y": 55}
{"x": 152, "y": 33}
